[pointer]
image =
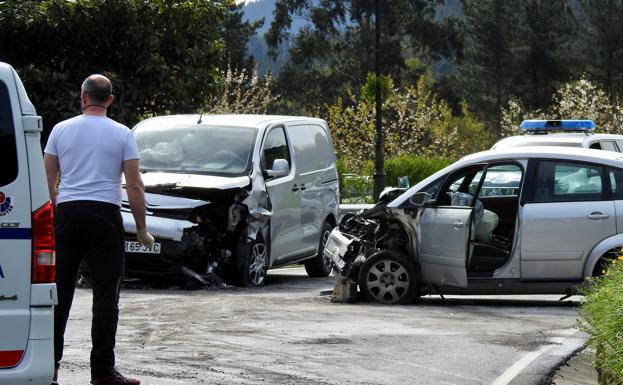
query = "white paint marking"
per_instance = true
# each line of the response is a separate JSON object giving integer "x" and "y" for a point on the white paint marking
{"x": 512, "y": 372}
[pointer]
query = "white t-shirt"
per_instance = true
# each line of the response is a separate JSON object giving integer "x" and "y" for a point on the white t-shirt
{"x": 91, "y": 151}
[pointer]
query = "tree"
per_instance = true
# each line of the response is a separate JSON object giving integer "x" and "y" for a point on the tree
{"x": 604, "y": 44}
{"x": 242, "y": 91}
{"x": 578, "y": 99}
{"x": 236, "y": 33}
{"x": 336, "y": 51}
{"x": 162, "y": 56}
{"x": 416, "y": 122}
{"x": 550, "y": 41}
{"x": 492, "y": 30}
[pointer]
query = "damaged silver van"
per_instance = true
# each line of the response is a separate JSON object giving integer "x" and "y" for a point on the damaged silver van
{"x": 230, "y": 196}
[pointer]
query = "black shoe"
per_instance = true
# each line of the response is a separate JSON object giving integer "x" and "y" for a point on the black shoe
{"x": 114, "y": 379}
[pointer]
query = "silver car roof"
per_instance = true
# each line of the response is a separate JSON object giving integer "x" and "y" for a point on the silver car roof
{"x": 608, "y": 158}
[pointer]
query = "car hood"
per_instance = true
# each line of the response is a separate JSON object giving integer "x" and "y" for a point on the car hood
{"x": 155, "y": 179}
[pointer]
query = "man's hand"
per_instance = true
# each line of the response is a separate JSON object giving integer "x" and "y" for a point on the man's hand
{"x": 144, "y": 238}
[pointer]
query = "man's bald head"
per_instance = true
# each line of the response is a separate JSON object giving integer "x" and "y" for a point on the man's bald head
{"x": 97, "y": 87}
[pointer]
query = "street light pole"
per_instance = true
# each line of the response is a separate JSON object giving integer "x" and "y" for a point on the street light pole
{"x": 379, "y": 166}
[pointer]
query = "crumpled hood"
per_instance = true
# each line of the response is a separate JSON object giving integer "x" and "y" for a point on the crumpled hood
{"x": 194, "y": 180}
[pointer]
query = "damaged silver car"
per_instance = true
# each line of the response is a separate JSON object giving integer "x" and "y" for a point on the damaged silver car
{"x": 230, "y": 196}
{"x": 529, "y": 220}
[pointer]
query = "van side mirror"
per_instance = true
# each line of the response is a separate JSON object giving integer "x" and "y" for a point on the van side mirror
{"x": 421, "y": 199}
{"x": 281, "y": 167}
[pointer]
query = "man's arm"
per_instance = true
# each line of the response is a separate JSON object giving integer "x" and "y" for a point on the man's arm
{"x": 136, "y": 197}
{"x": 52, "y": 169}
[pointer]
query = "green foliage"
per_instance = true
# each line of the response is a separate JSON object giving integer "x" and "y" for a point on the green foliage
{"x": 415, "y": 122}
{"x": 579, "y": 99}
{"x": 602, "y": 309}
{"x": 416, "y": 168}
{"x": 336, "y": 52}
{"x": 368, "y": 91}
{"x": 603, "y": 44}
{"x": 162, "y": 56}
{"x": 357, "y": 185}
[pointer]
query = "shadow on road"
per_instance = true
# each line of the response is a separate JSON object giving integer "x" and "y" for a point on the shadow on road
{"x": 507, "y": 302}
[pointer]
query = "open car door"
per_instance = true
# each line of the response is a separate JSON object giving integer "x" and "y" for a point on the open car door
{"x": 444, "y": 229}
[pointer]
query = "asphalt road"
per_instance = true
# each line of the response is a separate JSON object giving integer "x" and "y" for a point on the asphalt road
{"x": 286, "y": 333}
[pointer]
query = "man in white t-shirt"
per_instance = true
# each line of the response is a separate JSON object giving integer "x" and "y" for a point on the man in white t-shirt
{"x": 90, "y": 152}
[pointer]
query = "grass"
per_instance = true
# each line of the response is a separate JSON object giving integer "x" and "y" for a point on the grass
{"x": 602, "y": 310}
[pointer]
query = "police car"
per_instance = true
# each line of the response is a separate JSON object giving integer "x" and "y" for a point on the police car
{"x": 27, "y": 264}
{"x": 565, "y": 133}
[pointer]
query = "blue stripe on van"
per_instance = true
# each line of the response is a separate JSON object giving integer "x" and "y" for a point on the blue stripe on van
{"x": 19, "y": 233}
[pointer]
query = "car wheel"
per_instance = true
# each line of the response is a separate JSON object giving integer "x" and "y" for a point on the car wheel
{"x": 388, "y": 276}
{"x": 320, "y": 265}
{"x": 254, "y": 267}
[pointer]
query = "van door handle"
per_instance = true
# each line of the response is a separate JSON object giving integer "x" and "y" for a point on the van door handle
{"x": 595, "y": 215}
{"x": 458, "y": 225}
{"x": 295, "y": 188}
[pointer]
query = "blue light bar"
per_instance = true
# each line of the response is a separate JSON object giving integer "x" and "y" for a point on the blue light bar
{"x": 558, "y": 125}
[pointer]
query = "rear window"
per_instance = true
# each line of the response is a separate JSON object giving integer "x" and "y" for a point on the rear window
{"x": 8, "y": 150}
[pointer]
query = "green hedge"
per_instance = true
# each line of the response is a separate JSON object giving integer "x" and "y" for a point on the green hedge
{"x": 356, "y": 186}
{"x": 603, "y": 321}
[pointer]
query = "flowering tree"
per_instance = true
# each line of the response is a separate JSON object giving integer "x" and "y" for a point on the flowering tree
{"x": 242, "y": 92}
{"x": 415, "y": 122}
{"x": 578, "y": 99}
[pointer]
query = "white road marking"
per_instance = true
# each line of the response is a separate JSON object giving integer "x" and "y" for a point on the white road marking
{"x": 515, "y": 369}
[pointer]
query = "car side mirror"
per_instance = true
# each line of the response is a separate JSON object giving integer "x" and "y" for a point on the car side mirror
{"x": 421, "y": 199}
{"x": 281, "y": 167}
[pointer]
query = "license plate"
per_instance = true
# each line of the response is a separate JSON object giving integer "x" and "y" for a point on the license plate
{"x": 135, "y": 247}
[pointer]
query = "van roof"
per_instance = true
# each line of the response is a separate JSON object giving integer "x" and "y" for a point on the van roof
{"x": 234, "y": 120}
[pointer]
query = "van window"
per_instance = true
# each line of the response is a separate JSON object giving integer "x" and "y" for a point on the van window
{"x": 312, "y": 147}
{"x": 8, "y": 150}
{"x": 275, "y": 147}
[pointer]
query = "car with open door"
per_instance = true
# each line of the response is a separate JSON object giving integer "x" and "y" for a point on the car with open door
{"x": 519, "y": 220}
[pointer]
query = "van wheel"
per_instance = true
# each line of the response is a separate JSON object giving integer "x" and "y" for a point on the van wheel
{"x": 388, "y": 276}
{"x": 320, "y": 266}
{"x": 254, "y": 265}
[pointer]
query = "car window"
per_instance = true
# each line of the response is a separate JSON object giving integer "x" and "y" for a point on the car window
{"x": 195, "y": 148}
{"x": 566, "y": 181}
{"x": 459, "y": 190}
{"x": 616, "y": 181}
{"x": 8, "y": 149}
{"x": 275, "y": 147}
{"x": 501, "y": 180}
{"x": 620, "y": 144}
{"x": 608, "y": 145}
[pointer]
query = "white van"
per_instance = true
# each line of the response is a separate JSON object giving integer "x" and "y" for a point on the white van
{"x": 27, "y": 264}
{"x": 234, "y": 195}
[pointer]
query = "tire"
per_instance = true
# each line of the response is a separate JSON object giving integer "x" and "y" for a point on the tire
{"x": 320, "y": 266}
{"x": 254, "y": 264}
{"x": 388, "y": 276}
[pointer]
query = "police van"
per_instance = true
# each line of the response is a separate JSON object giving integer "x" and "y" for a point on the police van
{"x": 27, "y": 262}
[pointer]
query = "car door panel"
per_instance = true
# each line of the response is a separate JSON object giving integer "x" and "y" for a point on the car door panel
{"x": 443, "y": 247}
{"x": 285, "y": 222}
{"x": 555, "y": 250}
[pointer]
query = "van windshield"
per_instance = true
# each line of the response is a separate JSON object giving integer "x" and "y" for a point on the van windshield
{"x": 196, "y": 149}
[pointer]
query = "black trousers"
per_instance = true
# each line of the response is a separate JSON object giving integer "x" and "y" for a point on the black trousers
{"x": 94, "y": 231}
